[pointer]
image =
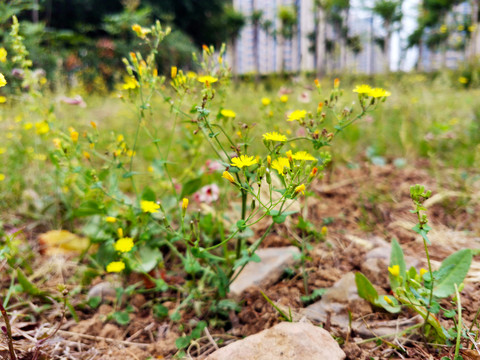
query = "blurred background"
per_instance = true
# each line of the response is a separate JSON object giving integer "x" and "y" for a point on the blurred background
{"x": 86, "y": 39}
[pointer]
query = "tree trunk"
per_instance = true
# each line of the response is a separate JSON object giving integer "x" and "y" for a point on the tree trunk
{"x": 320, "y": 40}
{"x": 233, "y": 45}
{"x": 256, "y": 54}
{"x": 472, "y": 48}
{"x": 386, "y": 47}
{"x": 420, "y": 56}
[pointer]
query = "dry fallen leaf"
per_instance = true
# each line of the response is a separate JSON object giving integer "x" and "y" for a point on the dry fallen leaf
{"x": 62, "y": 242}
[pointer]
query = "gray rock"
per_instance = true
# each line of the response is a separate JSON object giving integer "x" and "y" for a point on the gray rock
{"x": 335, "y": 302}
{"x": 267, "y": 271}
{"x": 104, "y": 290}
{"x": 284, "y": 341}
{"x": 341, "y": 298}
{"x": 375, "y": 266}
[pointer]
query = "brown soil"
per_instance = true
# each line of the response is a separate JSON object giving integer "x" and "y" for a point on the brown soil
{"x": 366, "y": 202}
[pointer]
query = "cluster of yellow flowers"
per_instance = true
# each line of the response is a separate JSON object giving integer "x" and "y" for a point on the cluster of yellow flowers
{"x": 372, "y": 92}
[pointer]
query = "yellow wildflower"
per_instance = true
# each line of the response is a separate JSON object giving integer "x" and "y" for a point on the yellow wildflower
{"x": 274, "y": 136}
{"x": 462, "y": 80}
{"x": 297, "y": 115}
{"x": 184, "y": 203}
{"x": 191, "y": 74}
{"x": 243, "y": 160}
{"x": 74, "y": 136}
{"x": 289, "y": 155}
{"x": 173, "y": 72}
{"x": 300, "y": 189}
{"x": 379, "y": 92}
{"x": 116, "y": 266}
{"x": 57, "y": 143}
{"x": 266, "y": 101}
{"x": 86, "y": 154}
{"x": 443, "y": 29}
{"x": 3, "y": 99}
{"x": 207, "y": 79}
{"x": 150, "y": 168}
{"x": 94, "y": 124}
{"x": 336, "y": 83}
{"x": 388, "y": 300}
{"x": 228, "y": 113}
{"x": 42, "y": 127}
{"x": 423, "y": 271}
{"x": 27, "y": 126}
{"x": 3, "y": 55}
{"x": 3, "y": 150}
{"x": 2, "y": 177}
{"x": 120, "y": 232}
{"x": 324, "y": 231}
{"x": 280, "y": 164}
{"x": 149, "y": 206}
{"x": 362, "y": 89}
{"x": 130, "y": 83}
{"x": 460, "y": 28}
{"x": 3, "y": 82}
{"x": 284, "y": 98}
{"x": 303, "y": 155}
{"x": 124, "y": 244}
{"x": 317, "y": 83}
{"x": 111, "y": 219}
{"x": 472, "y": 28}
{"x": 394, "y": 270}
{"x": 228, "y": 176}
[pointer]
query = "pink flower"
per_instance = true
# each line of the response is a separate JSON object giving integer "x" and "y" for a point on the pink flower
{"x": 207, "y": 194}
{"x": 304, "y": 97}
{"x": 213, "y": 165}
{"x": 77, "y": 100}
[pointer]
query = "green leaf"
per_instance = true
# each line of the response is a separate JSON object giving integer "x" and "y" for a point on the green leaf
{"x": 459, "y": 264}
{"x": 121, "y": 317}
{"x": 148, "y": 194}
{"x": 94, "y": 301}
{"x": 182, "y": 342}
{"x": 27, "y": 285}
{"x": 397, "y": 258}
{"x": 365, "y": 288}
{"x": 149, "y": 258}
{"x": 191, "y": 186}
{"x": 160, "y": 311}
{"x": 89, "y": 208}
{"x": 129, "y": 174}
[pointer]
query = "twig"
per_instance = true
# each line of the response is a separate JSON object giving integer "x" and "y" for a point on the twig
{"x": 101, "y": 338}
{"x": 9, "y": 332}
{"x": 211, "y": 339}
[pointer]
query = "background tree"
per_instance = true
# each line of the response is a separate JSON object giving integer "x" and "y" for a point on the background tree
{"x": 390, "y": 11}
{"x": 288, "y": 26}
{"x": 256, "y": 20}
{"x": 234, "y": 22}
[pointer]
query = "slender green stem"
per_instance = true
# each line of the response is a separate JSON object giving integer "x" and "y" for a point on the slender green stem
{"x": 413, "y": 327}
{"x": 459, "y": 322}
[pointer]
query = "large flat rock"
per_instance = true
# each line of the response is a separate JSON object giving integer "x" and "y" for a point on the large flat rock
{"x": 264, "y": 273}
{"x": 284, "y": 341}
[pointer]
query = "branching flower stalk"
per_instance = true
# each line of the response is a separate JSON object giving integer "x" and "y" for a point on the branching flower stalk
{"x": 419, "y": 195}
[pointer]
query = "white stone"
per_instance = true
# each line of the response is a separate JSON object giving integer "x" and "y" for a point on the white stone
{"x": 264, "y": 273}
{"x": 284, "y": 341}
